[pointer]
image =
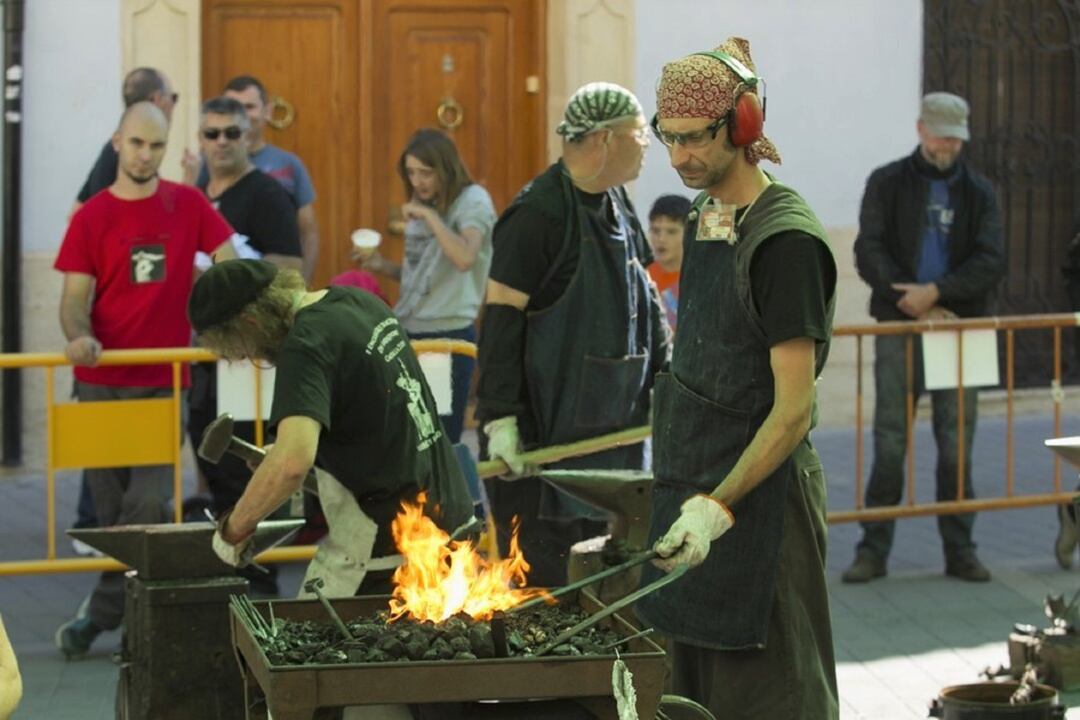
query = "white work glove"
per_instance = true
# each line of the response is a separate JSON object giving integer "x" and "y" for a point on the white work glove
{"x": 237, "y": 555}
{"x": 702, "y": 520}
{"x": 504, "y": 443}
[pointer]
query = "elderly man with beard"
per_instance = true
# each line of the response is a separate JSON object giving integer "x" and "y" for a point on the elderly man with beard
{"x": 739, "y": 493}
{"x": 573, "y": 330}
{"x": 929, "y": 246}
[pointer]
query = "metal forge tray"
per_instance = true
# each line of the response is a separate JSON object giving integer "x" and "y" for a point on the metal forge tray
{"x": 295, "y": 692}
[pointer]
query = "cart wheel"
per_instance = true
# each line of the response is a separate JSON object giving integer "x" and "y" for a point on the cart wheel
{"x": 676, "y": 707}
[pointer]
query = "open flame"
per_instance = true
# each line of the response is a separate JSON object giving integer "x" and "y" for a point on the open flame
{"x": 441, "y": 578}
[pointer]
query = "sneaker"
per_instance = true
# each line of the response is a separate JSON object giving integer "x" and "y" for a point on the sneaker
{"x": 866, "y": 567}
{"x": 1065, "y": 545}
{"x": 967, "y": 568}
{"x": 74, "y": 637}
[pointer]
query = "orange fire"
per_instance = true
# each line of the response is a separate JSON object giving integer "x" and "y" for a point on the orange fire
{"x": 441, "y": 578}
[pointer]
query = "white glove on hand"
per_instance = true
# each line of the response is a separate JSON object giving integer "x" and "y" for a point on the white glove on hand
{"x": 702, "y": 520}
{"x": 504, "y": 443}
{"x": 237, "y": 555}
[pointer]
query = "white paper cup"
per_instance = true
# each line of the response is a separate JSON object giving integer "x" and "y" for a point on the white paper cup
{"x": 365, "y": 239}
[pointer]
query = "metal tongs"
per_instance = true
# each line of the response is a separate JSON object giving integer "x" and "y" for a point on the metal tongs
{"x": 609, "y": 610}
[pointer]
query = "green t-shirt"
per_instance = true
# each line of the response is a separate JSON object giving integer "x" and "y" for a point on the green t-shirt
{"x": 347, "y": 363}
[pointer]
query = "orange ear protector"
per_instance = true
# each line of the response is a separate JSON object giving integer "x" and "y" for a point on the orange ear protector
{"x": 746, "y": 118}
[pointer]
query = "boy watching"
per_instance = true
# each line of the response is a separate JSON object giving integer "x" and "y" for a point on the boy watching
{"x": 667, "y": 222}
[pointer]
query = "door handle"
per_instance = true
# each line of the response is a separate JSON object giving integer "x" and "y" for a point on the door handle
{"x": 288, "y": 113}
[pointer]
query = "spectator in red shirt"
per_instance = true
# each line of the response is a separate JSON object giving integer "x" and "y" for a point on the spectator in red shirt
{"x": 667, "y": 223}
{"x": 127, "y": 260}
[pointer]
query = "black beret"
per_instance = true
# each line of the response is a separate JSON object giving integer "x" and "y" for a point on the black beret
{"x": 226, "y": 289}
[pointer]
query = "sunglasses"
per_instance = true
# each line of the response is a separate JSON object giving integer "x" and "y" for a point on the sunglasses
{"x": 233, "y": 132}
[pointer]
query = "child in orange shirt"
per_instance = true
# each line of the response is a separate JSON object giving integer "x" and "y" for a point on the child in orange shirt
{"x": 667, "y": 222}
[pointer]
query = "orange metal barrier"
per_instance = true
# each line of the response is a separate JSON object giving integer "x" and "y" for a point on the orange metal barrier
{"x": 126, "y": 433}
{"x": 1009, "y": 325}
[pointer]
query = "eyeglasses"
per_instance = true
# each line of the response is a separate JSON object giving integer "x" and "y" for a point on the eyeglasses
{"x": 690, "y": 141}
{"x": 233, "y": 132}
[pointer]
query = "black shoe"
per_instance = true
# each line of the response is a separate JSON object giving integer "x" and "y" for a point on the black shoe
{"x": 867, "y": 567}
{"x": 967, "y": 568}
{"x": 74, "y": 637}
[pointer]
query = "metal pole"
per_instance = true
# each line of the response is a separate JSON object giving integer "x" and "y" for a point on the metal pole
{"x": 11, "y": 329}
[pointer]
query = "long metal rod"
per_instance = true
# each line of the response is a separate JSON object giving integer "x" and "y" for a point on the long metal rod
{"x": 584, "y": 582}
{"x": 614, "y": 607}
{"x": 11, "y": 262}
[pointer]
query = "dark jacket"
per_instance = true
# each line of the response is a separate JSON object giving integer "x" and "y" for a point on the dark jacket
{"x": 891, "y": 224}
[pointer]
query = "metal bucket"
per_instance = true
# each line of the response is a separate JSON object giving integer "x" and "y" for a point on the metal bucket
{"x": 990, "y": 701}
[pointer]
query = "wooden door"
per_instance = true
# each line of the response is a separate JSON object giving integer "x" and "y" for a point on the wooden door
{"x": 305, "y": 52}
{"x": 362, "y": 75}
{"x": 1018, "y": 64}
{"x": 472, "y": 64}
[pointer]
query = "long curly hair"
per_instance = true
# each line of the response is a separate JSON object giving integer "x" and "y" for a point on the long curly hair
{"x": 258, "y": 331}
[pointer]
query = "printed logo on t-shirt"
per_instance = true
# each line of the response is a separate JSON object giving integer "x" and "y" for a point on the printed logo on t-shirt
{"x": 422, "y": 417}
{"x": 147, "y": 264}
{"x": 387, "y": 342}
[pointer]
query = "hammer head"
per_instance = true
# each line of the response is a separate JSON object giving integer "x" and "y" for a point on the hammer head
{"x": 216, "y": 438}
{"x": 314, "y": 585}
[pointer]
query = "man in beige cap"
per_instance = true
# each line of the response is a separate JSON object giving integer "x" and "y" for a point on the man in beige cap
{"x": 748, "y": 627}
{"x": 929, "y": 246}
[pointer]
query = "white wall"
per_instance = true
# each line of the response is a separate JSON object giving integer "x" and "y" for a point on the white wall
{"x": 71, "y": 103}
{"x": 843, "y": 80}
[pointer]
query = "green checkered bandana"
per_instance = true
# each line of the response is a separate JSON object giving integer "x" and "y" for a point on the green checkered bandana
{"x": 595, "y": 106}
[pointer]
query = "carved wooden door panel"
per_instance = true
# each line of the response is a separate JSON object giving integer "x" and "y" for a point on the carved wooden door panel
{"x": 363, "y": 75}
{"x": 468, "y": 67}
{"x": 1018, "y": 64}
{"x": 304, "y": 52}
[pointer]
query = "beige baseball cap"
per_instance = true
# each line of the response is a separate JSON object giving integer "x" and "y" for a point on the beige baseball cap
{"x": 945, "y": 115}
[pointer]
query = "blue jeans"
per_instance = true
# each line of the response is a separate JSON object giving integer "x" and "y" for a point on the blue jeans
{"x": 890, "y": 444}
{"x": 461, "y": 370}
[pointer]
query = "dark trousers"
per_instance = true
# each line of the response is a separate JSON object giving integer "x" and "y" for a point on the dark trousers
{"x": 123, "y": 496}
{"x": 890, "y": 444}
{"x": 545, "y": 543}
{"x": 461, "y": 371}
{"x": 794, "y": 676}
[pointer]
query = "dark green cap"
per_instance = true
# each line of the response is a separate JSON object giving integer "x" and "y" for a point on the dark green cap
{"x": 226, "y": 289}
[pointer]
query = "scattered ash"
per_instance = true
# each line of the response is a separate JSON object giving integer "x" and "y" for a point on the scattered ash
{"x": 458, "y": 638}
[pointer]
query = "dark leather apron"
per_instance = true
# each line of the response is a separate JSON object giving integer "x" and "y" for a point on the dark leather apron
{"x": 706, "y": 411}
{"x": 587, "y": 355}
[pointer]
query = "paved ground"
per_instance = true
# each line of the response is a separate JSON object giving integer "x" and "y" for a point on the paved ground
{"x": 899, "y": 640}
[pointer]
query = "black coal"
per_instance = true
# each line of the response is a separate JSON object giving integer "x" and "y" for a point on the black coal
{"x": 376, "y": 640}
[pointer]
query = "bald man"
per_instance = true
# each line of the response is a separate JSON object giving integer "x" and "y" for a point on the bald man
{"x": 127, "y": 260}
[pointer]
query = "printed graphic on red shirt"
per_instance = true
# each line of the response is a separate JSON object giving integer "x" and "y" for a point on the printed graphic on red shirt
{"x": 147, "y": 264}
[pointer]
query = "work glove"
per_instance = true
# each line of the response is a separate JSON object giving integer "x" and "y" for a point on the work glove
{"x": 238, "y": 555}
{"x": 504, "y": 443}
{"x": 702, "y": 520}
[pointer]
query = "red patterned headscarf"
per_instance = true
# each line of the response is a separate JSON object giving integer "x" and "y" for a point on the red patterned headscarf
{"x": 698, "y": 86}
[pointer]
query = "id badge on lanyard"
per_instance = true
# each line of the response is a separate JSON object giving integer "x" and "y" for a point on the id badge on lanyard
{"x": 716, "y": 222}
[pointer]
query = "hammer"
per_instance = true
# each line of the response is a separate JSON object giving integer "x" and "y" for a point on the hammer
{"x": 218, "y": 439}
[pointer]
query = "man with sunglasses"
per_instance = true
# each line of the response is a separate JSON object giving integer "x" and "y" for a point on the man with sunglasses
{"x": 573, "y": 329}
{"x": 739, "y": 493}
{"x": 280, "y": 164}
{"x": 127, "y": 259}
{"x": 264, "y": 217}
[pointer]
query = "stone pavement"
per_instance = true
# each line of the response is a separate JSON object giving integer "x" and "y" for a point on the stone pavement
{"x": 899, "y": 640}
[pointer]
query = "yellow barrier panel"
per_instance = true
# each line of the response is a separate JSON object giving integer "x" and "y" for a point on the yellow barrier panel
{"x": 119, "y": 433}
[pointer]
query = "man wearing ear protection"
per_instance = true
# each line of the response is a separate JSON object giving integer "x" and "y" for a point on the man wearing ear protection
{"x": 573, "y": 329}
{"x": 739, "y": 493}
